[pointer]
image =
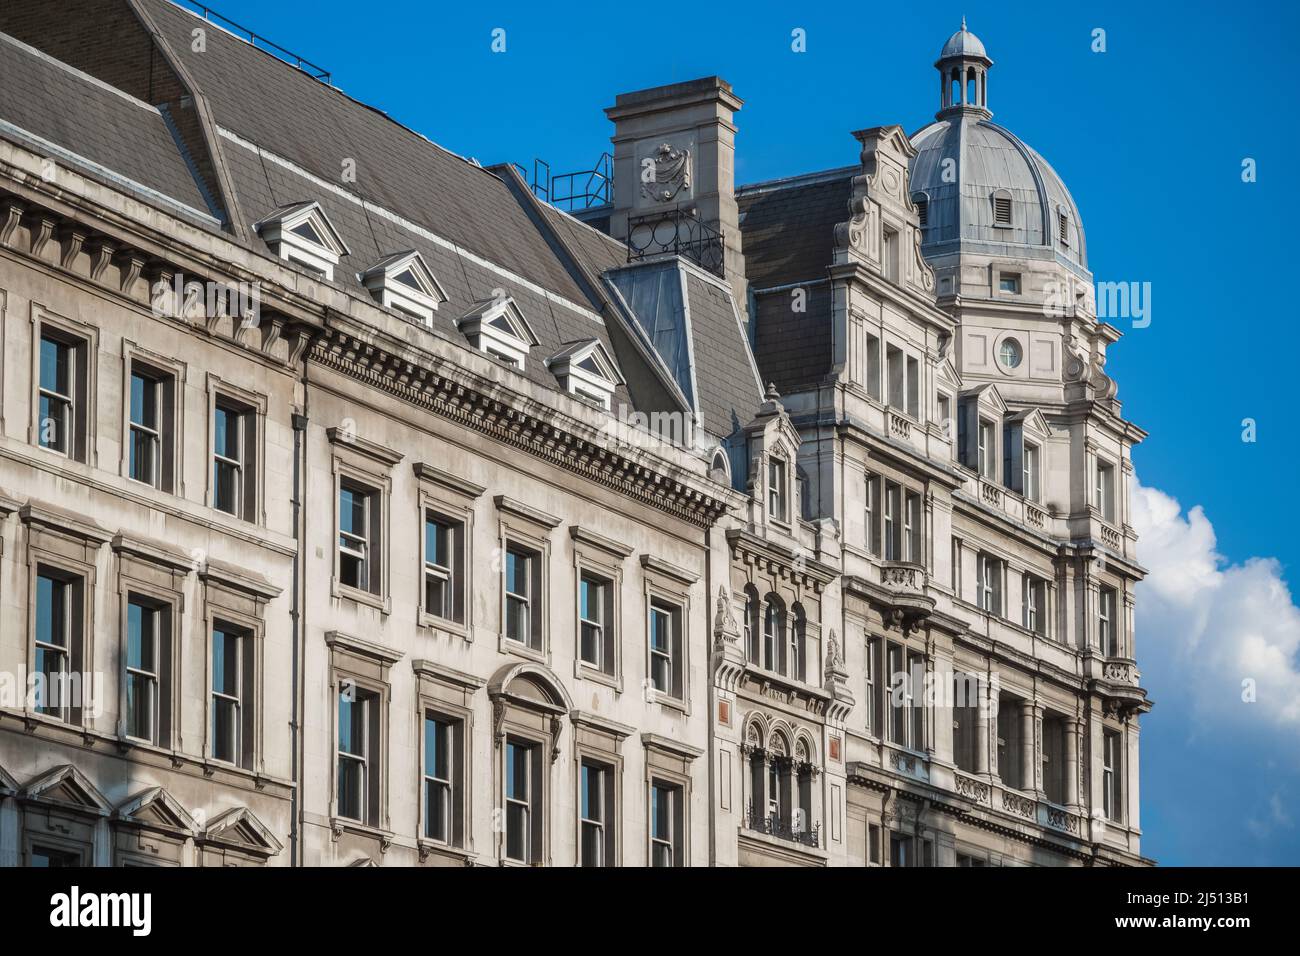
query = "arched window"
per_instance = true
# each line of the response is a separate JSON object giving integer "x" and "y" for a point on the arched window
{"x": 802, "y": 817}
{"x": 798, "y": 645}
{"x": 778, "y": 782}
{"x": 753, "y": 626}
{"x": 773, "y": 634}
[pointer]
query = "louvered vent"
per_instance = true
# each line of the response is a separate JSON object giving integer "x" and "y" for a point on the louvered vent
{"x": 1063, "y": 228}
{"x": 1002, "y": 210}
{"x": 923, "y": 210}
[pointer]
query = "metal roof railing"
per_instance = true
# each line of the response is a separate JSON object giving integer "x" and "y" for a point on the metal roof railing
{"x": 261, "y": 42}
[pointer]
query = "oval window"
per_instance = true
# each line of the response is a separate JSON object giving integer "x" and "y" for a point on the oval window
{"x": 1010, "y": 353}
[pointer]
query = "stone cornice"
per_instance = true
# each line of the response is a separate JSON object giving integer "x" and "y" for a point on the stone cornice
{"x": 520, "y": 510}
{"x": 776, "y": 558}
{"x": 527, "y": 425}
{"x": 669, "y": 745}
{"x": 362, "y": 647}
{"x": 373, "y": 450}
{"x": 462, "y": 486}
{"x": 587, "y": 536}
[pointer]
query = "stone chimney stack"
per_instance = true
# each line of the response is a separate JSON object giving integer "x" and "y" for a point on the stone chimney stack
{"x": 674, "y": 175}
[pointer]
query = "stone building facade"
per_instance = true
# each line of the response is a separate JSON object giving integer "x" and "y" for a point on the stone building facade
{"x": 357, "y": 507}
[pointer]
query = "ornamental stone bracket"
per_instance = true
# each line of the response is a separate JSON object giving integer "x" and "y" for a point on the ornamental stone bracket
{"x": 900, "y": 594}
{"x": 785, "y": 563}
{"x": 728, "y": 660}
{"x": 837, "y": 683}
{"x": 1116, "y": 679}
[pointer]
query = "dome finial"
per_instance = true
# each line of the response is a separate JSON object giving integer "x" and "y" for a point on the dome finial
{"x": 963, "y": 24}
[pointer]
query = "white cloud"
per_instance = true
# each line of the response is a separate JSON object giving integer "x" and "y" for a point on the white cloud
{"x": 1205, "y": 625}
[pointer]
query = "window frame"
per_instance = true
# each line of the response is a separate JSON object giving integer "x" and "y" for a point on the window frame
{"x": 447, "y": 695}
{"x": 161, "y": 635}
{"x": 1035, "y": 592}
{"x": 251, "y": 409}
{"x": 1108, "y": 633}
{"x": 72, "y": 601}
{"x": 150, "y": 574}
{"x": 672, "y": 588}
{"x": 1104, "y": 490}
{"x": 363, "y": 667}
{"x": 599, "y": 559}
{"x": 986, "y": 448}
{"x": 871, "y": 512}
{"x": 366, "y": 469}
{"x": 168, "y": 379}
{"x": 226, "y": 602}
{"x": 534, "y": 804}
{"x": 240, "y": 752}
{"x": 364, "y": 703}
{"x": 609, "y": 763}
{"x": 1031, "y": 471}
{"x": 82, "y": 340}
{"x": 990, "y": 592}
{"x": 1112, "y": 775}
{"x": 778, "y": 492}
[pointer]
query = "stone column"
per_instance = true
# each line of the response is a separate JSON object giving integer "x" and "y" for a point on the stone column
{"x": 1030, "y": 770}
{"x": 987, "y": 711}
{"x": 1072, "y": 729}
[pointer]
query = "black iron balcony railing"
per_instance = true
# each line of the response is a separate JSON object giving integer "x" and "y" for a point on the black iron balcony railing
{"x": 774, "y": 826}
{"x": 676, "y": 232}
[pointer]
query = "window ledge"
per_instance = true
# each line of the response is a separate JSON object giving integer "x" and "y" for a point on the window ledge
{"x": 341, "y": 825}
{"x": 441, "y": 625}
{"x": 368, "y": 598}
{"x": 585, "y": 671}
{"x": 429, "y": 847}
{"x": 510, "y": 646}
{"x": 669, "y": 701}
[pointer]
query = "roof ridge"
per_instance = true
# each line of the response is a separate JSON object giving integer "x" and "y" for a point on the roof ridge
{"x": 799, "y": 179}
{"x": 334, "y": 88}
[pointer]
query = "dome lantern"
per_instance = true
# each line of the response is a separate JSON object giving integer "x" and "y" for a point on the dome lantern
{"x": 963, "y": 74}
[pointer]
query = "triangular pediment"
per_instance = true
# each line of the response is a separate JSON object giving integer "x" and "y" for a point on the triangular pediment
{"x": 240, "y": 829}
{"x": 69, "y": 787}
{"x": 947, "y": 373}
{"x": 989, "y": 398}
{"x": 589, "y": 356}
{"x": 308, "y": 223}
{"x": 409, "y": 271}
{"x": 157, "y": 809}
{"x": 504, "y": 315}
{"x": 7, "y": 781}
{"x": 1033, "y": 422}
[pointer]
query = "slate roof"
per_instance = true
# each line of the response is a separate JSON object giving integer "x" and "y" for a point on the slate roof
{"x": 729, "y": 389}
{"x": 284, "y": 138}
{"x": 788, "y": 229}
{"x": 112, "y": 130}
{"x": 318, "y": 127}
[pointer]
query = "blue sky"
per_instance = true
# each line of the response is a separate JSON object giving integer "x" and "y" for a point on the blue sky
{"x": 1149, "y": 136}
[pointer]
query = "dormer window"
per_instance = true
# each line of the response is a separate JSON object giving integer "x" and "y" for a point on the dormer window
{"x": 497, "y": 327}
{"x": 1002, "y": 208}
{"x": 300, "y": 233}
{"x": 402, "y": 282}
{"x": 586, "y": 371}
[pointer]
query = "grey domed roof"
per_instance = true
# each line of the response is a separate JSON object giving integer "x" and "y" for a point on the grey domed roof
{"x": 963, "y": 43}
{"x": 990, "y": 161}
